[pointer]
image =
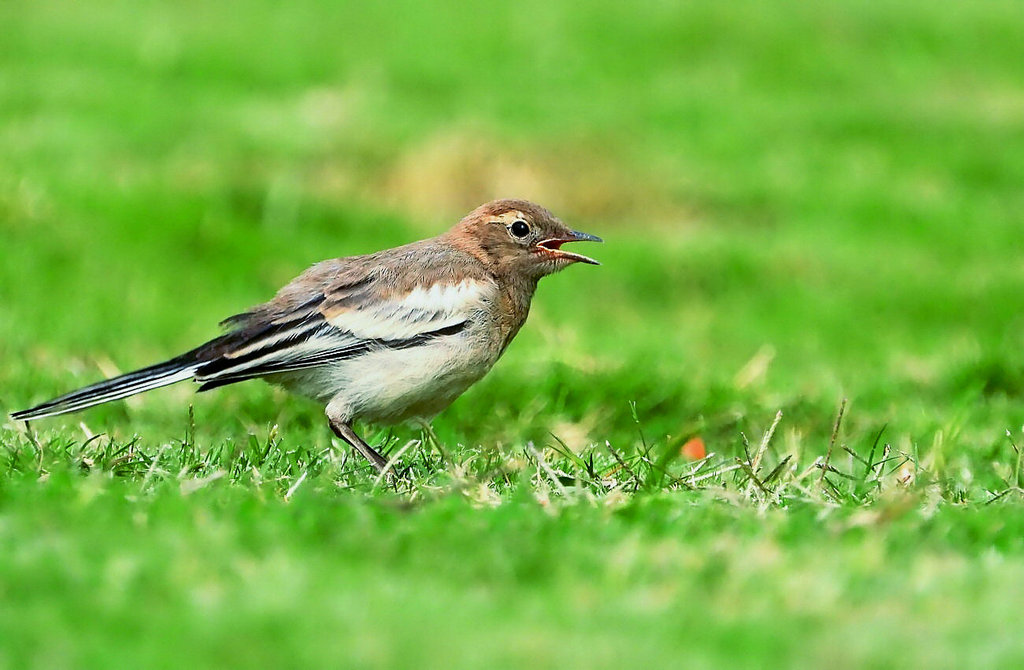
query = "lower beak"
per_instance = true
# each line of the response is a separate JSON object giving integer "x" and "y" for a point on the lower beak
{"x": 554, "y": 246}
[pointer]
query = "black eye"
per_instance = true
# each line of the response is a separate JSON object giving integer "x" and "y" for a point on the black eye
{"x": 519, "y": 228}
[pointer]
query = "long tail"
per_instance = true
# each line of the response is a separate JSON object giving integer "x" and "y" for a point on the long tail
{"x": 155, "y": 376}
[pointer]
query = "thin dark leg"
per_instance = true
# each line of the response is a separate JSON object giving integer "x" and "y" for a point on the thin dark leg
{"x": 345, "y": 432}
{"x": 431, "y": 436}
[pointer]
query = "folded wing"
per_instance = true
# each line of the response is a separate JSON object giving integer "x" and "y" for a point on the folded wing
{"x": 349, "y": 319}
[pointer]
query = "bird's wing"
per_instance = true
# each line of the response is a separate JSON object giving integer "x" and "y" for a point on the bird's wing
{"x": 308, "y": 327}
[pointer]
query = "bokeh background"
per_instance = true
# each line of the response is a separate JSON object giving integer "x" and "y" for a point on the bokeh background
{"x": 801, "y": 202}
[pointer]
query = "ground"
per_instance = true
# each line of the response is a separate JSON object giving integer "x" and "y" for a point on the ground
{"x": 812, "y": 270}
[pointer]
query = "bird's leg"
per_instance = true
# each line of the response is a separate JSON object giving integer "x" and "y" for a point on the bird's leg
{"x": 345, "y": 432}
{"x": 431, "y": 437}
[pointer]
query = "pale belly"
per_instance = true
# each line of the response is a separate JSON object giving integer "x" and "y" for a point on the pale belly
{"x": 394, "y": 385}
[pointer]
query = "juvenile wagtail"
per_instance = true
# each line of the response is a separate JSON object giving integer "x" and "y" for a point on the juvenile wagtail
{"x": 383, "y": 338}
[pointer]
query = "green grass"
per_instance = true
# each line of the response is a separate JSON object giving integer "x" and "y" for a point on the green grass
{"x": 802, "y": 203}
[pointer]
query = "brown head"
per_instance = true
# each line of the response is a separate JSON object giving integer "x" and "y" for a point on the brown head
{"x": 519, "y": 237}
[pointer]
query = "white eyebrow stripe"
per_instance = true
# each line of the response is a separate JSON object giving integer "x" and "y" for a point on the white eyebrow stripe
{"x": 422, "y": 310}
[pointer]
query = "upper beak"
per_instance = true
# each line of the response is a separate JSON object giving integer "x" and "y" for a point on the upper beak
{"x": 554, "y": 246}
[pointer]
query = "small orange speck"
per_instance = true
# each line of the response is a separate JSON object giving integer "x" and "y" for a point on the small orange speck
{"x": 694, "y": 449}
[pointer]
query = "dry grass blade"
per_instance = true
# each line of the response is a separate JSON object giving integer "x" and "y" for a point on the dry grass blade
{"x": 622, "y": 463}
{"x": 714, "y": 473}
{"x": 832, "y": 443}
{"x": 295, "y": 487}
{"x": 765, "y": 440}
{"x": 1017, "y": 451}
{"x": 753, "y": 477}
{"x": 552, "y": 475}
{"x": 389, "y": 466}
{"x": 777, "y": 470}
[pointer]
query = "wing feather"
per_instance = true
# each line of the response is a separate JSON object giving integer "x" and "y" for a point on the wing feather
{"x": 347, "y": 321}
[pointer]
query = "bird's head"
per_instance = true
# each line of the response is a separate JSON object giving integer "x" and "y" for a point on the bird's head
{"x": 518, "y": 236}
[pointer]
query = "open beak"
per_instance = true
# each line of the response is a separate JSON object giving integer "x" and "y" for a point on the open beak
{"x": 554, "y": 247}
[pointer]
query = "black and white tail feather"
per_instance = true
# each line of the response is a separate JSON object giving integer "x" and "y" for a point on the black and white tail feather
{"x": 146, "y": 379}
{"x": 178, "y": 369}
{"x": 260, "y": 347}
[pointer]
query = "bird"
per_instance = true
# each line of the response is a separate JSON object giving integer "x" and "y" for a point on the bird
{"x": 383, "y": 338}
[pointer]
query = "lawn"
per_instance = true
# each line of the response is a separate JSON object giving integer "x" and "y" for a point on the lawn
{"x": 814, "y": 265}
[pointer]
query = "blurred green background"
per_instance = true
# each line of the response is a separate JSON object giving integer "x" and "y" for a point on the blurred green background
{"x": 801, "y": 202}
